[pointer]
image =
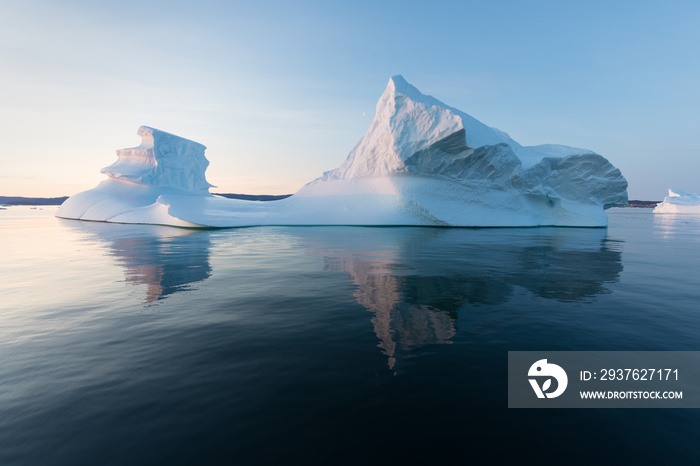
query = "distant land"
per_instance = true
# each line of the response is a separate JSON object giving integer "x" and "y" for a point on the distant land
{"x": 16, "y": 200}
{"x": 255, "y": 197}
{"x": 642, "y": 204}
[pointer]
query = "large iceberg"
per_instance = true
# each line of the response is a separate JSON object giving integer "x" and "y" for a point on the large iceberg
{"x": 679, "y": 202}
{"x": 420, "y": 163}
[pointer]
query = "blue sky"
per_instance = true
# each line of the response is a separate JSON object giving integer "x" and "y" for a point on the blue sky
{"x": 281, "y": 91}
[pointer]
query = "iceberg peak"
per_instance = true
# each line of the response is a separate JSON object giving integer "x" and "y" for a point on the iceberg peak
{"x": 672, "y": 192}
{"x": 406, "y": 121}
{"x": 398, "y": 86}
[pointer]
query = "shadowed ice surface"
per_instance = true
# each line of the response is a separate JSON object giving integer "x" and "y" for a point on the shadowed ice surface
{"x": 144, "y": 344}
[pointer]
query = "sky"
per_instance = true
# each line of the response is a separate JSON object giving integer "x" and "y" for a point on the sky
{"x": 280, "y": 92}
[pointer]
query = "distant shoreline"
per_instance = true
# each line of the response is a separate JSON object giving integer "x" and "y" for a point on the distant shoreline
{"x": 16, "y": 200}
{"x": 34, "y": 201}
{"x": 633, "y": 203}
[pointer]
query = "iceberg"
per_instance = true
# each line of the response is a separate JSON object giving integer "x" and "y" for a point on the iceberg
{"x": 421, "y": 162}
{"x": 679, "y": 202}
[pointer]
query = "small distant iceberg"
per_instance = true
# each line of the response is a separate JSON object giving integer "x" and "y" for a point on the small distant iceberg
{"x": 421, "y": 162}
{"x": 679, "y": 202}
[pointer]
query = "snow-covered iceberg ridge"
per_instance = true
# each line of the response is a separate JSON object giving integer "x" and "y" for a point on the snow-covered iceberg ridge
{"x": 420, "y": 163}
{"x": 679, "y": 202}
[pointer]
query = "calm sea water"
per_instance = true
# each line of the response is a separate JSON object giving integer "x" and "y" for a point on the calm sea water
{"x": 135, "y": 344}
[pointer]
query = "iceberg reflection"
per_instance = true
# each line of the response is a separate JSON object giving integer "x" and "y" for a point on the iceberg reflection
{"x": 671, "y": 225}
{"x": 415, "y": 280}
{"x": 165, "y": 259}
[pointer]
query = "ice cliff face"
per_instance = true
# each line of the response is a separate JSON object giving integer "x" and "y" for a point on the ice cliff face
{"x": 679, "y": 202}
{"x": 420, "y": 163}
{"x": 162, "y": 160}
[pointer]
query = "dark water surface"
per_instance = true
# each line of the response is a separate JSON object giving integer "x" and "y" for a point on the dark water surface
{"x": 135, "y": 344}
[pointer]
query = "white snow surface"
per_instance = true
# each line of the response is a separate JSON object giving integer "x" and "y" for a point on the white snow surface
{"x": 421, "y": 162}
{"x": 679, "y": 202}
